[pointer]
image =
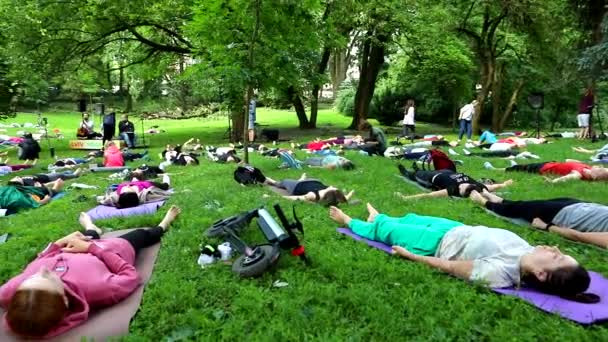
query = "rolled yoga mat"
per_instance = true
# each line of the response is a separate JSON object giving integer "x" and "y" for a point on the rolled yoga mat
{"x": 578, "y": 312}
{"x": 113, "y": 321}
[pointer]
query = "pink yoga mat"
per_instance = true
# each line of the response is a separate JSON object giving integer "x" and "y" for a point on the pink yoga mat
{"x": 114, "y": 321}
{"x": 577, "y": 312}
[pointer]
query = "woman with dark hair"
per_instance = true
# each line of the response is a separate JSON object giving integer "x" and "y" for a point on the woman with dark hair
{"x": 44, "y": 178}
{"x": 310, "y": 190}
{"x": 15, "y": 196}
{"x": 571, "y": 218}
{"x": 74, "y": 276}
{"x": 131, "y": 194}
{"x": 446, "y": 183}
{"x": 496, "y": 257}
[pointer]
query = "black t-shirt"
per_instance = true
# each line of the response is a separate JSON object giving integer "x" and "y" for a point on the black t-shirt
{"x": 451, "y": 181}
{"x": 306, "y": 186}
{"x": 126, "y": 126}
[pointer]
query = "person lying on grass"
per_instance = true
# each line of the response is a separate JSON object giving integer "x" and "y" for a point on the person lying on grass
{"x": 567, "y": 170}
{"x": 46, "y": 179}
{"x": 174, "y": 155}
{"x": 496, "y": 257}
{"x": 74, "y": 276}
{"x": 144, "y": 172}
{"x": 599, "y": 154}
{"x": 15, "y": 196}
{"x": 331, "y": 162}
{"x": 446, "y": 183}
{"x": 571, "y": 218}
{"x": 132, "y": 194}
{"x": 310, "y": 190}
{"x": 222, "y": 154}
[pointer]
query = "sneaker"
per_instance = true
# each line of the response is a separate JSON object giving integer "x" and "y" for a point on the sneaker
{"x": 513, "y": 162}
{"x": 466, "y": 152}
{"x": 469, "y": 145}
{"x": 453, "y": 153}
{"x": 488, "y": 165}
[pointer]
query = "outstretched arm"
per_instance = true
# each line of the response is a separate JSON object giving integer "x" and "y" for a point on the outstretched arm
{"x": 572, "y": 176}
{"x": 599, "y": 239}
{"x": 458, "y": 268}
{"x": 434, "y": 194}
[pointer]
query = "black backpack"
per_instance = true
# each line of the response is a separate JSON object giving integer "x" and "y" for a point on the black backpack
{"x": 249, "y": 175}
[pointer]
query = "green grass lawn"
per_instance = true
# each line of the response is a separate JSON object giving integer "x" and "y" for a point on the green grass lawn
{"x": 351, "y": 292}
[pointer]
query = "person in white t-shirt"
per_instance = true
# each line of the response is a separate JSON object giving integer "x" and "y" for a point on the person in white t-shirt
{"x": 496, "y": 257}
{"x": 465, "y": 118}
{"x": 408, "y": 118}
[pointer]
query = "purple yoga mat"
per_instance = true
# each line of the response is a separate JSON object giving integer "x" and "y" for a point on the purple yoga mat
{"x": 101, "y": 212}
{"x": 578, "y": 312}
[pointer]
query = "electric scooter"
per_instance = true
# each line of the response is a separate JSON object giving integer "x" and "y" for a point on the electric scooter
{"x": 255, "y": 260}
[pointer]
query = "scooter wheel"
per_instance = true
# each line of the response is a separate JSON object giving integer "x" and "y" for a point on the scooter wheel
{"x": 263, "y": 258}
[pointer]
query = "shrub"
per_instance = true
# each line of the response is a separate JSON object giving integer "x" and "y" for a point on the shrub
{"x": 345, "y": 101}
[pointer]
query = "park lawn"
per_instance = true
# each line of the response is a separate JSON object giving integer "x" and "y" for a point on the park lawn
{"x": 351, "y": 292}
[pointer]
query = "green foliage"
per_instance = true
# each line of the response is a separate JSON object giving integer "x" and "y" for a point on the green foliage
{"x": 387, "y": 105}
{"x": 345, "y": 100}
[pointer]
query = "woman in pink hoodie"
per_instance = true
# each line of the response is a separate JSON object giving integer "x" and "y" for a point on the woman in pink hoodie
{"x": 112, "y": 156}
{"x": 75, "y": 276}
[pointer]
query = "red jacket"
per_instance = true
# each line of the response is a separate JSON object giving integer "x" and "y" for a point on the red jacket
{"x": 103, "y": 276}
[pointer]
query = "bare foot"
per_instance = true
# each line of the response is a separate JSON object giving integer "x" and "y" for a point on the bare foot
{"x": 170, "y": 216}
{"x": 477, "y": 198}
{"x": 339, "y": 216}
{"x": 78, "y": 172}
{"x": 509, "y": 182}
{"x": 58, "y": 185}
{"x": 491, "y": 197}
{"x": 372, "y": 213}
{"x": 87, "y": 223}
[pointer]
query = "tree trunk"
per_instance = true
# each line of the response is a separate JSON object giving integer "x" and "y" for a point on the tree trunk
{"x": 298, "y": 105}
{"x": 129, "y": 100}
{"x": 121, "y": 81}
{"x": 338, "y": 69}
{"x": 497, "y": 95}
{"x": 372, "y": 59}
{"x": 512, "y": 101}
{"x": 236, "y": 117}
{"x": 314, "y": 100}
{"x": 487, "y": 71}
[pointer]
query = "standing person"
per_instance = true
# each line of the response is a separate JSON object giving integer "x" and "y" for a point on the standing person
{"x": 252, "y": 113}
{"x": 126, "y": 130}
{"x": 585, "y": 108}
{"x": 466, "y": 116}
{"x": 408, "y": 118}
{"x": 109, "y": 126}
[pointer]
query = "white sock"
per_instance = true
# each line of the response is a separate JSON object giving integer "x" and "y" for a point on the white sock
{"x": 453, "y": 153}
{"x": 466, "y": 152}
{"x": 166, "y": 179}
{"x": 513, "y": 163}
{"x": 488, "y": 165}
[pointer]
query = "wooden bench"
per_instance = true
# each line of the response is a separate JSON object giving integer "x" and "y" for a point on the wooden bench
{"x": 93, "y": 144}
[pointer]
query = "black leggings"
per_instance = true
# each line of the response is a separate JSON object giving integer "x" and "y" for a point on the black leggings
{"x": 529, "y": 210}
{"x": 530, "y": 168}
{"x": 490, "y": 154}
{"x": 138, "y": 238}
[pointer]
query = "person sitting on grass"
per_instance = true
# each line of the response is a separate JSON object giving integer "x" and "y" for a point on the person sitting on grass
{"x": 131, "y": 194}
{"x": 567, "y": 170}
{"x": 571, "y": 218}
{"x": 376, "y": 143}
{"x": 16, "y": 196}
{"x": 29, "y": 150}
{"x": 446, "y": 183}
{"x": 112, "y": 156}
{"x": 495, "y": 257}
{"x": 126, "y": 130}
{"x": 86, "y": 130}
{"x": 310, "y": 190}
{"x": 76, "y": 276}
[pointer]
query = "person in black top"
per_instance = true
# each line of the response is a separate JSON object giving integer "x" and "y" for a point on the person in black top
{"x": 29, "y": 149}
{"x": 446, "y": 183}
{"x": 44, "y": 178}
{"x": 109, "y": 127}
{"x": 310, "y": 190}
{"x": 126, "y": 130}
